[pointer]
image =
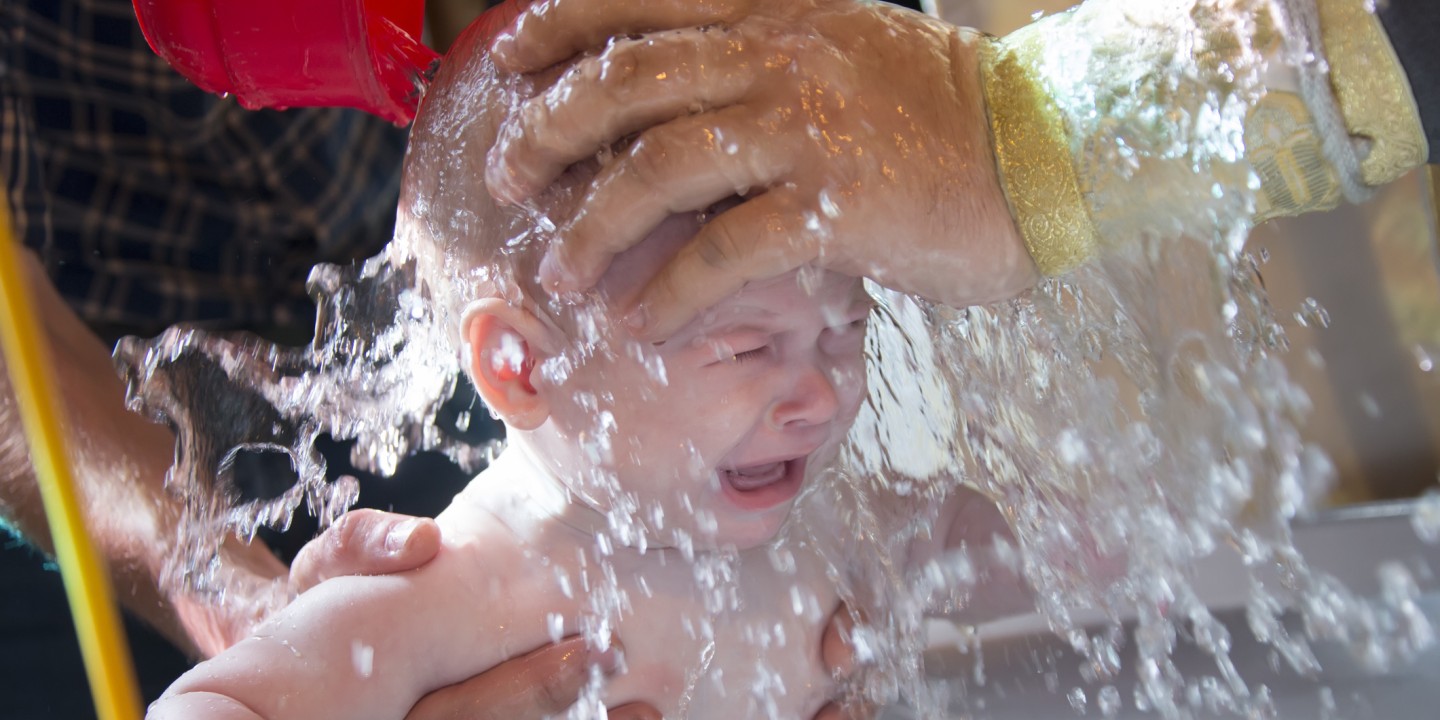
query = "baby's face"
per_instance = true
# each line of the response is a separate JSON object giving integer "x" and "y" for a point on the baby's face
{"x": 756, "y": 394}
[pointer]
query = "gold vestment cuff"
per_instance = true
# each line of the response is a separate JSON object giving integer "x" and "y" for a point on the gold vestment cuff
{"x": 1033, "y": 156}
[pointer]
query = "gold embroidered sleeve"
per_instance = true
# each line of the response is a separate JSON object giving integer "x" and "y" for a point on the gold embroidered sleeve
{"x": 1032, "y": 151}
{"x": 1371, "y": 88}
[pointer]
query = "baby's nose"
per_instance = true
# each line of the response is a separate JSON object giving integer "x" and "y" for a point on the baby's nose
{"x": 812, "y": 400}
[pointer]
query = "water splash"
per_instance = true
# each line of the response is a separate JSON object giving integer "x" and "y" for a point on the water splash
{"x": 1135, "y": 416}
{"x": 372, "y": 374}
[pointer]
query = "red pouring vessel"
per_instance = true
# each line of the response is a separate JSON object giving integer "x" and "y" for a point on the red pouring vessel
{"x": 364, "y": 54}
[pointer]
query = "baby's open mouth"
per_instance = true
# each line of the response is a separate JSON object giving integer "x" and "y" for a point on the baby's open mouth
{"x": 756, "y": 476}
{"x": 762, "y": 486}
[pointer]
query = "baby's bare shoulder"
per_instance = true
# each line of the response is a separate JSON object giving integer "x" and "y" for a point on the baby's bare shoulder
{"x": 502, "y": 553}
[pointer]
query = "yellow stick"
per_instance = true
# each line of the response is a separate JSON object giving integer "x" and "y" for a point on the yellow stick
{"x": 102, "y": 639}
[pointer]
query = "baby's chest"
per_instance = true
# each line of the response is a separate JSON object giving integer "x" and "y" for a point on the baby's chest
{"x": 743, "y": 646}
{"x": 704, "y": 640}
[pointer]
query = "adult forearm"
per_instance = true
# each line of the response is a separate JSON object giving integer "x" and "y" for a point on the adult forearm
{"x": 119, "y": 461}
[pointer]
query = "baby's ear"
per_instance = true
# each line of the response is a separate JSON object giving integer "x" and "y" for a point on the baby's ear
{"x": 504, "y": 341}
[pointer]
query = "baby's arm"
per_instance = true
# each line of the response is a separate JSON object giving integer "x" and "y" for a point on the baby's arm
{"x": 309, "y": 661}
{"x": 353, "y": 647}
{"x": 212, "y": 706}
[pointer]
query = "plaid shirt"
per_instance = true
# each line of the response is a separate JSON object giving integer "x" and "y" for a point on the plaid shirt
{"x": 153, "y": 202}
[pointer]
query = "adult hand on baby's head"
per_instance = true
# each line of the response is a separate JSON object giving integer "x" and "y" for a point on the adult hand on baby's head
{"x": 861, "y": 129}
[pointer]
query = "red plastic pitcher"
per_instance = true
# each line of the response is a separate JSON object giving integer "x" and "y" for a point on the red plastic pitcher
{"x": 294, "y": 53}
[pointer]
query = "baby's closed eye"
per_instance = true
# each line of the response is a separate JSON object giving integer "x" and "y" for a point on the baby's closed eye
{"x": 738, "y": 347}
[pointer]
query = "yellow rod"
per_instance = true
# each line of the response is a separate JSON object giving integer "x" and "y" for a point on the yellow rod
{"x": 87, "y": 585}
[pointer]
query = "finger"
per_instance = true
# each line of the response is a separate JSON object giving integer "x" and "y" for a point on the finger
{"x": 554, "y": 30}
{"x": 633, "y": 85}
{"x": 686, "y": 164}
{"x": 542, "y": 683}
{"x": 837, "y": 649}
{"x": 365, "y": 542}
{"x": 760, "y": 238}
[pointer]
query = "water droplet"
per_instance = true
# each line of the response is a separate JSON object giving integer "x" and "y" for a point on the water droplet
{"x": 1369, "y": 405}
{"x": 362, "y": 657}
{"x": 1072, "y": 448}
{"x": 809, "y": 278}
{"x": 1108, "y": 701}
{"x": 555, "y": 626}
{"x": 1424, "y": 359}
{"x": 1426, "y": 518}
{"x": 1311, "y": 313}
{"x": 828, "y": 206}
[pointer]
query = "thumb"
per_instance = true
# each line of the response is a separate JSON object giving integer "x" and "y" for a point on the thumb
{"x": 365, "y": 542}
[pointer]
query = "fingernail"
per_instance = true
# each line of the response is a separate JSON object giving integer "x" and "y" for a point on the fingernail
{"x": 399, "y": 535}
{"x": 638, "y": 319}
{"x": 634, "y": 711}
{"x": 552, "y": 272}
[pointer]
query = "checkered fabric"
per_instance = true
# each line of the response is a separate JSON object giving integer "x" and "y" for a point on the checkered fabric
{"x": 153, "y": 202}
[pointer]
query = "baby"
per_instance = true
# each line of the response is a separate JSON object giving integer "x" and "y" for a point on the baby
{"x": 642, "y": 493}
